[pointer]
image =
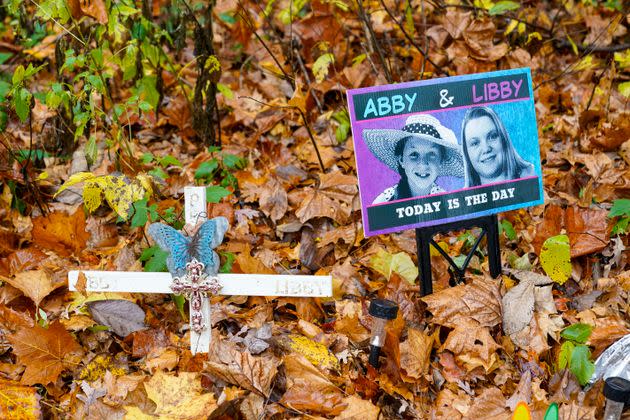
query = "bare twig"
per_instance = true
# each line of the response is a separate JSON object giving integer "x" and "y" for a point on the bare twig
{"x": 242, "y": 14}
{"x": 425, "y": 56}
{"x": 308, "y": 128}
{"x": 374, "y": 41}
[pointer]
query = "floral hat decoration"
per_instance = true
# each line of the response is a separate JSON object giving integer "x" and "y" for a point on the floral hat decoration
{"x": 382, "y": 143}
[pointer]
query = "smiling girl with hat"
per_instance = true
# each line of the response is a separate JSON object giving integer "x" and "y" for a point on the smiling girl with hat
{"x": 420, "y": 152}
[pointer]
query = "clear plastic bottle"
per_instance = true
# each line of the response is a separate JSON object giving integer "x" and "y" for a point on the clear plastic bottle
{"x": 617, "y": 393}
{"x": 382, "y": 310}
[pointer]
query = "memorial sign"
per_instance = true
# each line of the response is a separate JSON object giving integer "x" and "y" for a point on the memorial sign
{"x": 444, "y": 150}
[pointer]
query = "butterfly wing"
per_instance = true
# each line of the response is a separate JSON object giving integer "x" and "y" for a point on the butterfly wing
{"x": 173, "y": 242}
{"x": 209, "y": 236}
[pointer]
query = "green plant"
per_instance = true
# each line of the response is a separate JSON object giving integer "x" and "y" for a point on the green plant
{"x": 621, "y": 211}
{"x": 219, "y": 170}
{"x": 575, "y": 354}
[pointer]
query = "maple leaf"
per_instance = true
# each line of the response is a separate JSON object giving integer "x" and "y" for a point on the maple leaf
{"x": 60, "y": 232}
{"x": 309, "y": 389}
{"x": 35, "y": 284}
{"x": 44, "y": 352}
{"x": 229, "y": 363}
{"x": 415, "y": 353}
{"x": 18, "y": 401}
{"x": 179, "y": 396}
{"x": 332, "y": 198}
{"x": 479, "y": 300}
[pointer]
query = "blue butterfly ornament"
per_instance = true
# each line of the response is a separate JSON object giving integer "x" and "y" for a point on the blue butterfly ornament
{"x": 183, "y": 249}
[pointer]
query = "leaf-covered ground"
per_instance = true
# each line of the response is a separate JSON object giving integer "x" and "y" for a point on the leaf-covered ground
{"x": 120, "y": 95}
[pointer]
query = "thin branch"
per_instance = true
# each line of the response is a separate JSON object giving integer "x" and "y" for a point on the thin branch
{"x": 308, "y": 128}
{"x": 593, "y": 48}
{"x": 374, "y": 41}
{"x": 241, "y": 13}
{"x": 410, "y": 39}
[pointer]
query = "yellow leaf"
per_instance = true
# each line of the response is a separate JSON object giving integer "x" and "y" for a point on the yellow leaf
{"x": 555, "y": 258}
{"x": 75, "y": 179}
{"x": 321, "y": 65}
{"x": 400, "y": 263}
{"x": 585, "y": 63}
{"x": 92, "y": 196}
{"x": 316, "y": 353}
{"x": 119, "y": 194}
{"x": 180, "y": 397}
{"x": 511, "y": 26}
{"x": 146, "y": 183}
{"x": 18, "y": 401}
{"x": 532, "y": 36}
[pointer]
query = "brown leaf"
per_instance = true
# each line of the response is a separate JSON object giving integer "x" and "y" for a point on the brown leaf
{"x": 588, "y": 230}
{"x": 60, "y": 232}
{"x": 21, "y": 260}
{"x": 358, "y": 408}
{"x": 18, "y": 401}
{"x": 469, "y": 341}
{"x": 44, "y": 352}
{"x": 479, "y": 36}
{"x": 247, "y": 264}
{"x": 415, "y": 353}
{"x": 551, "y": 225}
{"x": 479, "y": 300}
{"x": 36, "y": 284}
{"x": 11, "y": 319}
{"x": 95, "y": 9}
{"x": 333, "y": 198}
{"x": 308, "y": 389}
{"x": 180, "y": 396}
{"x": 489, "y": 405}
{"x": 239, "y": 367}
{"x": 273, "y": 200}
{"x": 456, "y": 21}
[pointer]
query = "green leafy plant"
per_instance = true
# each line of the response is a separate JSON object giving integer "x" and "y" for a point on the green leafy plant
{"x": 575, "y": 354}
{"x": 621, "y": 211}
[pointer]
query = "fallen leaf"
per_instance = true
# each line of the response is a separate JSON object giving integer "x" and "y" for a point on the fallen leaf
{"x": 415, "y": 353}
{"x": 18, "y": 401}
{"x": 523, "y": 391}
{"x": 479, "y": 300}
{"x": 44, "y": 352}
{"x": 227, "y": 362}
{"x": 180, "y": 396}
{"x": 121, "y": 316}
{"x": 250, "y": 265}
{"x": 470, "y": 340}
{"x": 490, "y": 404}
{"x": 518, "y": 302}
{"x": 308, "y": 389}
{"x": 588, "y": 230}
{"x": 358, "y": 408}
{"x": 60, "y": 232}
{"x": 95, "y": 9}
{"x": 316, "y": 353}
{"x": 36, "y": 284}
{"x": 555, "y": 258}
{"x": 479, "y": 37}
{"x": 273, "y": 200}
{"x": 332, "y": 198}
{"x": 401, "y": 263}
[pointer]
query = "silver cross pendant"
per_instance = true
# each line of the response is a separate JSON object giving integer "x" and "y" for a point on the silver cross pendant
{"x": 194, "y": 285}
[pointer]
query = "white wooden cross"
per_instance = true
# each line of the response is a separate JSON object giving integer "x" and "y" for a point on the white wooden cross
{"x": 229, "y": 284}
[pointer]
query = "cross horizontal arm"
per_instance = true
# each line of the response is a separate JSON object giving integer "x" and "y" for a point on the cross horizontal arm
{"x": 232, "y": 284}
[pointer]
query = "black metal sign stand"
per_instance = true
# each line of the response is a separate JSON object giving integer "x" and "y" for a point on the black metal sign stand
{"x": 424, "y": 239}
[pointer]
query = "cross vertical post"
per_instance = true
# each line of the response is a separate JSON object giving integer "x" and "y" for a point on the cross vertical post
{"x": 195, "y": 210}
